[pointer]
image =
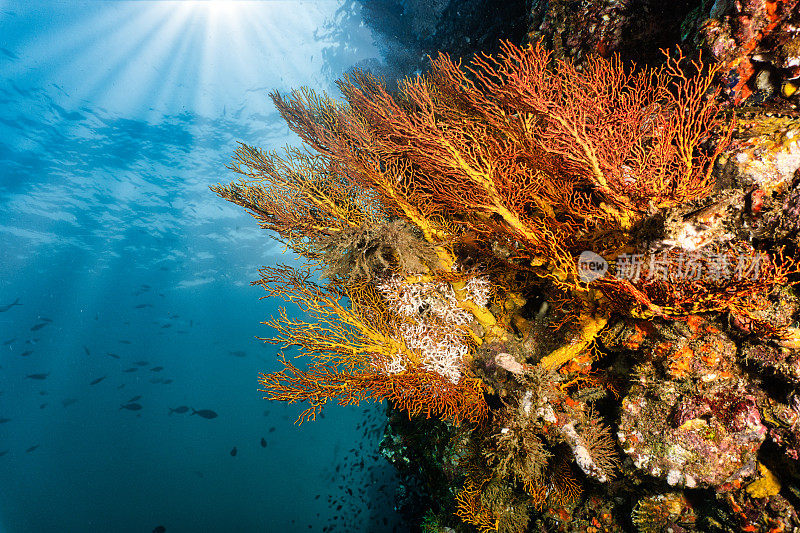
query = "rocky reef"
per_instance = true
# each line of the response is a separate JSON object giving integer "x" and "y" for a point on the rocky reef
{"x": 571, "y": 276}
{"x": 705, "y": 412}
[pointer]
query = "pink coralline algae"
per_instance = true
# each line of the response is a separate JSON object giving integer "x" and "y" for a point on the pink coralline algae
{"x": 756, "y": 39}
{"x": 688, "y": 437}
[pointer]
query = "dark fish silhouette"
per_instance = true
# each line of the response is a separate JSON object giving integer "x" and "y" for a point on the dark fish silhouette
{"x": 141, "y": 363}
{"x": 166, "y": 326}
{"x": 263, "y": 442}
{"x": 4, "y": 420}
{"x": 29, "y": 450}
{"x": 166, "y": 381}
{"x": 68, "y": 401}
{"x": 5, "y": 308}
{"x": 159, "y": 529}
{"x": 123, "y": 341}
{"x": 131, "y": 369}
{"x": 98, "y": 380}
{"x": 205, "y": 413}
{"x": 115, "y": 356}
{"x": 157, "y": 369}
{"x": 42, "y": 406}
{"x": 142, "y": 306}
{"x": 233, "y": 452}
{"x": 45, "y": 319}
{"x": 238, "y": 353}
{"x": 85, "y": 349}
{"x": 137, "y": 397}
{"x": 3, "y": 453}
{"x": 26, "y": 353}
{"x": 131, "y": 406}
{"x": 38, "y": 376}
{"x": 9, "y": 341}
{"x": 39, "y": 326}
{"x": 272, "y": 429}
{"x": 180, "y": 410}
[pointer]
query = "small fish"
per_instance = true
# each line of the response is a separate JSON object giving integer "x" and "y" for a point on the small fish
{"x": 157, "y": 369}
{"x": 131, "y": 406}
{"x": 85, "y": 349}
{"x": 272, "y": 429}
{"x": 132, "y": 369}
{"x": 205, "y": 413}
{"x": 42, "y": 406}
{"x": 137, "y": 397}
{"x": 4, "y": 452}
{"x": 166, "y": 326}
{"x": 39, "y": 326}
{"x": 115, "y": 356}
{"x": 98, "y": 380}
{"x": 5, "y": 308}
{"x": 142, "y": 306}
{"x": 9, "y": 341}
{"x": 263, "y": 442}
{"x": 159, "y": 529}
{"x": 233, "y": 452}
{"x": 166, "y": 381}
{"x": 180, "y": 410}
{"x": 124, "y": 341}
{"x": 141, "y": 363}
{"x": 4, "y": 420}
{"x": 45, "y": 319}
{"x": 68, "y": 401}
{"x": 238, "y": 353}
{"x": 26, "y": 353}
{"x": 38, "y": 376}
{"x": 29, "y": 450}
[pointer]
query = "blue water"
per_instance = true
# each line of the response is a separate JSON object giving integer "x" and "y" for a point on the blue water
{"x": 115, "y": 117}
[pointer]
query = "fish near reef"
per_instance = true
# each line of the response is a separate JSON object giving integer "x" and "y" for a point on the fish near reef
{"x": 5, "y": 308}
{"x": 234, "y": 451}
{"x": 131, "y": 406}
{"x": 180, "y": 410}
{"x": 205, "y": 413}
{"x": 38, "y": 376}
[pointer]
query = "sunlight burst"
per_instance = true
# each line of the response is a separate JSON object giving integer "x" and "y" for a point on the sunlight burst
{"x": 215, "y": 6}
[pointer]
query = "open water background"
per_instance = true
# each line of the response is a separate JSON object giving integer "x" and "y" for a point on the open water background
{"x": 115, "y": 117}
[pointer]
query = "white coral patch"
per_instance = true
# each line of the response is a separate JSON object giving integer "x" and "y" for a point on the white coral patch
{"x": 673, "y": 477}
{"x": 441, "y": 353}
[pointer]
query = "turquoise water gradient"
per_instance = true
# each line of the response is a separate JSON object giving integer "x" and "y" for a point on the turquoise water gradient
{"x": 115, "y": 117}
